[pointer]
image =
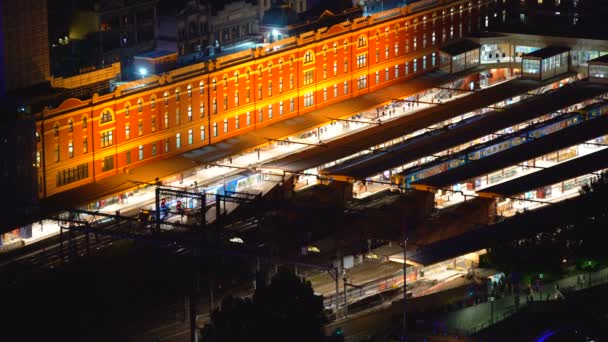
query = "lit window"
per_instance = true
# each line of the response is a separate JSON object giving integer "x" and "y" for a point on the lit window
{"x": 309, "y": 99}
{"x": 140, "y": 105}
{"x": 71, "y": 149}
{"x": 127, "y": 131}
{"x": 269, "y": 112}
{"x": 225, "y": 125}
{"x": 362, "y": 82}
{"x": 308, "y": 77}
{"x": 190, "y": 137}
{"x": 141, "y": 152}
{"x": 189, "y": 90}
{"x": 84, "y": 122}
{"x": 215, "y": 129}
{"x": 140, "y": 128}
{"x": 178, "y": 140}
{"x": 202, "y": 133}
{"x": 70, "y": 125}
{"x": 361, "y": 61}
{"x": 189, "y": 113}
{"x": 106, "y": 138}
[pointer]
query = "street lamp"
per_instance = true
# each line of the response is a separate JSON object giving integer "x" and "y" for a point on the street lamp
{"x": 143, "y": 72}
{"x": 491, "y": 298}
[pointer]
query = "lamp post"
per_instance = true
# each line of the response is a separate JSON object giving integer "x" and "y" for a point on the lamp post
{"x": 491, "y": 298}
{"x": 404, "y": 323}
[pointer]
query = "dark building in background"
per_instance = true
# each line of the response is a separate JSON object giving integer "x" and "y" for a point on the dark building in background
{"x": 24, "y": 71}
{"x": 24, "y": 45}
{"x": 283, "y": 20}
{"x": 92, "y": 34}
{"x": 202, "y": 27}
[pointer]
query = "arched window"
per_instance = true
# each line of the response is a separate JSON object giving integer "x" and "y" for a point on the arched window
{"x": 308, "y": 57}
{"x": 166, "y": 97}
{"x": 324, "y": 51}
{"x": 247, "y": 74}
{"x": 259, "y": 70}
{"x": 189, "y": 90}
{"x": 56, "y": 129}
{"x": 214, "y": 84}
{"x": 269, "y": 68}
{"x": 236, "y": 77}
{"x": 362, "y": 41}
{"x": 177, "y": 94}
{"x": 335, "y": 48}
{"x": 346, "y": 45}
{"x": 140, "y": 105}
{"x": 280, "y": 65}
{"x": 84, "y": 121}
{"x": 70, "y": 125}
{"x": 201, "y": 87}
{"x": 291, "y": 61}
{"x": 225, "y": 79}
{"x": 106, "y": 117}
{"x": 127, "y": 109}
{"x": 152, "y": 102}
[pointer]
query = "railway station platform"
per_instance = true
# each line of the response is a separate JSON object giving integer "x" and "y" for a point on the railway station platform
{"x": 559, "y": 140}
{"x": 380, "y": 134}
{"x": 489, "y": 123}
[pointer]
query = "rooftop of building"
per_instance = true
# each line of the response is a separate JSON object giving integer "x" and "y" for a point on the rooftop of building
{"x": 600, "y": 60}
{"x": 547, "y": 52}
{"x": 156, "y": 54}
{"x": 584, "y": 24}
{"x": 460, "y": 47}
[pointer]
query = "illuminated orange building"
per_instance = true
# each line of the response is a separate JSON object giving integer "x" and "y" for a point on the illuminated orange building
{"x": 83, "y": 141}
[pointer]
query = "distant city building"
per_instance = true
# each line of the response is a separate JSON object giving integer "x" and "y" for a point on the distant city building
{"x": 282, "y": 19}
{"x": 204, "y": 27}
{"x": 100, "y": 32}
{"x": 24, "y": 44}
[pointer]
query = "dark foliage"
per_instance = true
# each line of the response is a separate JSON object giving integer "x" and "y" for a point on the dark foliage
{"x": 285, "y": 310}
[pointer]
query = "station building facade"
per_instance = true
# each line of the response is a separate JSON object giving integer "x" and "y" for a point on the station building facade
{"x": 82, "y": 141}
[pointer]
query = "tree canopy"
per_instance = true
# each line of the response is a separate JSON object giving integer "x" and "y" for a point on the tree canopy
{"x": 285, "y": 310}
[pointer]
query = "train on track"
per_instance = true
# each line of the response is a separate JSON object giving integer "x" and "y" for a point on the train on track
{"x": 531, "y": 133}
